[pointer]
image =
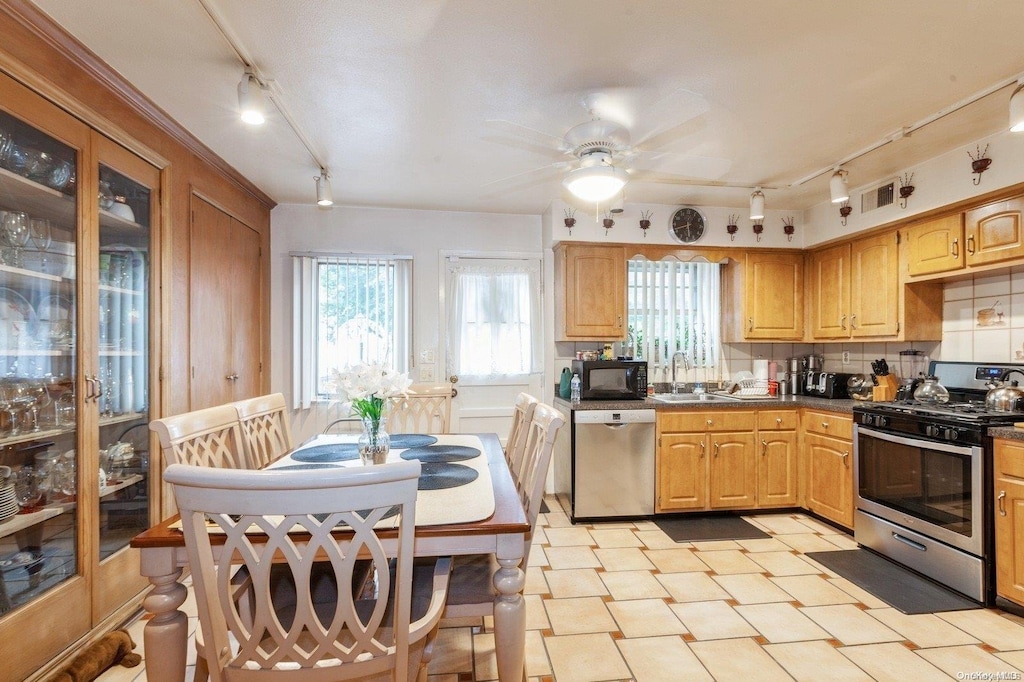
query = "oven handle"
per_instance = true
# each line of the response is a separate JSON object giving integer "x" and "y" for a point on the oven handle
{"x": 970, "y": 450}
{"x": 908, "y": 541}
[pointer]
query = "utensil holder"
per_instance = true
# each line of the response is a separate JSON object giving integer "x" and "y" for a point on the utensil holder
{"x": 885, "y": 391}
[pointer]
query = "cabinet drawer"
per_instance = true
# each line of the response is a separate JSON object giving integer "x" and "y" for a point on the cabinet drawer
{"x": 828, "y": 424}
{"x": 690, "y": 422}
{"x": 776, "y": 420}
{"x": 1009, "y": 458}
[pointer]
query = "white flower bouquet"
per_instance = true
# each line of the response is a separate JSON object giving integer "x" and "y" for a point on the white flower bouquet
{"x": 366, "y": 388}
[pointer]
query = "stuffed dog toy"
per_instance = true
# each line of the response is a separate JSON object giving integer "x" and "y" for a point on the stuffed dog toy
{"x": 113, "y": 648}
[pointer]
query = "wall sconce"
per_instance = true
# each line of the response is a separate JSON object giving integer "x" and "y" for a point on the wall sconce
{"x": 608, "y": 223}
{"x": 645, "y": 221}
{"x": 731, "y": 228}
{"x": 906, "y": 189}
{"x": 844, "y": 211}
{"x": 979, "y": 163}
{"x": 787, "y": 227}
{"x": 837, "y": 186}
{"x": 570, "y": 218}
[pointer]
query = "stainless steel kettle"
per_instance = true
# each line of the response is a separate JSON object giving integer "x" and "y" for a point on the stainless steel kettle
{"x": 1006, "y": 397}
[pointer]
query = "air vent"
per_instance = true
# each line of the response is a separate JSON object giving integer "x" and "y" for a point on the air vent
{"x": 878, "y": 197}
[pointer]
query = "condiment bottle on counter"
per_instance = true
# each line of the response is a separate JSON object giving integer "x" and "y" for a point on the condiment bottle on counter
{"x": 574, "y": 389}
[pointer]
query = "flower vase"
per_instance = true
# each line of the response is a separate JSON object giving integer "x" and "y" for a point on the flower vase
{"x": 374, "y": 441}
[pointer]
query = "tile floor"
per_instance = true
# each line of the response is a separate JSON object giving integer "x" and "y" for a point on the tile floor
{"x": 623, "y": 602}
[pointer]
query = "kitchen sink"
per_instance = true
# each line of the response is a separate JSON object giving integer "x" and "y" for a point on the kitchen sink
{"x": 692, "y": 398}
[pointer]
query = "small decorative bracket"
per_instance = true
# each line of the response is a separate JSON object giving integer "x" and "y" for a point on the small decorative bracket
{"x": 979, "y": 163}
{"x": 844, "y": 211}
{"x": 732, "y": 227}
{"x": 787, "y": 227}
{"x": 570, "y": 218}
{"x": 645, "y": 221}
{"x": 906, "y": 188}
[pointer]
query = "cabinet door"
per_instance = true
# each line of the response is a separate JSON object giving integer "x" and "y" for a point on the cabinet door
{"x": 830, "y": 292}
{"x": 733, "y": 474}
{"x": 777, "y": 470}
{"x": 1009, "y": 516}
{"x": 994, "y": 232}
{"x": 592, "y": 289}
{"x": 682, "y": 471}
{"x": 935, "y": 246}
{"x": 773, "y": 296}
{"x": 874, "y": 286}
{"x": 830, "y": 478}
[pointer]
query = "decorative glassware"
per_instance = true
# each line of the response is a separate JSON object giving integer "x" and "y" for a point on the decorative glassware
{"x": 15, "y": 232}
{"x": 26, "y": 490}
{"x": 40, "y": 233}
{"x": 106, "y": 195}
{"x": 374, "y": 441}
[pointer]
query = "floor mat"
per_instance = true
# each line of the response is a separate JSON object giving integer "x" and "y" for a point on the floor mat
{"x": 702, "y": 528}
{"x": 897, "y": 586}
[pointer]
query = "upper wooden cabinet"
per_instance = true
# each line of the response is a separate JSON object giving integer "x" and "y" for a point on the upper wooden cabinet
{"x": 855, "y": 289}
{"x": 764, "y": 297}
{"x": 935, "y": 246}
{"x": 994, "y": 233}
{"x": 590, "y": 292}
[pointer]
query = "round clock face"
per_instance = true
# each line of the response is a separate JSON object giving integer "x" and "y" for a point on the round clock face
{"x": 687, "y": 225}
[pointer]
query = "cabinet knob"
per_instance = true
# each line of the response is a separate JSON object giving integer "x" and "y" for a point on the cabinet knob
{"x": 232, "y": 377}
{"x": 710, "y": 422}
{"x": 824, "y": 425}
{"x": 778, "y": 420}
{"x": 1002, "y": 502}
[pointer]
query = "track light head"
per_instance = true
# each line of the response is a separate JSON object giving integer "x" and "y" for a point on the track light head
{"x": 250, "y": 99}
{"x": 757, "y": 205}
{"x": 837, "y": 187}
{"x": 323, "y": 189}
{"x": 1017, "y": 109}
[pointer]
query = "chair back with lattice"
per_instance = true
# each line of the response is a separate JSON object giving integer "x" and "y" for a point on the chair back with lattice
{"x": 426, "y": 409}
{"x": 540, "y": 443}
{"x": 292, "y": 634}
{"x": 265, "y": 429}
{"x": 515, "y": 446}
{"x": 210, "y": 437}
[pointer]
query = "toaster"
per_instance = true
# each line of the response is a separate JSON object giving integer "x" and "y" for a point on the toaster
{"x": 831, "y": 385}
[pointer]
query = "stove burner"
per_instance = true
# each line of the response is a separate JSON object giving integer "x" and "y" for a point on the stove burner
{"x": 959, "y": 410}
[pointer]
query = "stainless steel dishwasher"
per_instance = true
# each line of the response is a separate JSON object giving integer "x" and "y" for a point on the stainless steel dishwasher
{"x": 613, "y": 463}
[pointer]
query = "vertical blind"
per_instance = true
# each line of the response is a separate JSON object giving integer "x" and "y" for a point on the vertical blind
{"x": 676, "y": 306}
{"x": 346, "y": 310}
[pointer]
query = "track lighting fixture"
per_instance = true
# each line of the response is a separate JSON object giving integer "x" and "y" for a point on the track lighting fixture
{"x": 757, "y": 205}
{"x": 1017, "y": 108}
{"x": 323, "y": 189}
{"x": 250, "y": 99}
{"x": 837, "y": 187}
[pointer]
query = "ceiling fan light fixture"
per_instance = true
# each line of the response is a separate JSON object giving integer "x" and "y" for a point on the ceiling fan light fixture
{"x": 323, "y": 189}
{"x": 1017, "y": 109}
{"x": 837, "y": 187}
{"x": 757, "y": 205}
{"x": 250, "y": 100}
{"x": 595, "y": 183}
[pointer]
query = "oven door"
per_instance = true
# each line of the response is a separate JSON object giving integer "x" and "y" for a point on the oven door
{"x": 934, "y": 489}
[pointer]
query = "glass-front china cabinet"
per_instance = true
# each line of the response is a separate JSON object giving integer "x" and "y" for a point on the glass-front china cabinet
{"x": 78, "y": 231}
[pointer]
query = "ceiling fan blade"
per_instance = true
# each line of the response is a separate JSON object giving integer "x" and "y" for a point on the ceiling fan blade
{"x": 529, "y": 177}
{"x": 538, "y": 137}
{"x": 669, "y": 179}
{"x": 676, "y": 112}
{"x": 684, "y": 165}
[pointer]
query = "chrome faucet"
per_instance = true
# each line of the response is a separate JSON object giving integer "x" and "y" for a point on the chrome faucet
{"x": 686, "y": 366}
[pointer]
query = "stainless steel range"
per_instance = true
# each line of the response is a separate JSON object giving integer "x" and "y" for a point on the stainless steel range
{"x": 923, "y": 480}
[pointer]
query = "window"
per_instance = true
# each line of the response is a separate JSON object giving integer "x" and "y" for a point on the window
{"x": 493, "y": 317}
{"x": 347, "y": 310}
{"x": 673, "y": 307}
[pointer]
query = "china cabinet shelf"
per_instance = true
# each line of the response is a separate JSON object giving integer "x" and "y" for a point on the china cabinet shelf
{"x": 20, "y": 522}
{"x": 44, "y": 434}
{"x": 109, "y": 490}
{"x": 23, "y": 277}
{"x": 118, "y": 225}
{"x": 39, "y": 201}
{"x": 112, "y": 353}
{"x": 35, "y": 352}
{"x": 119, "y": 290}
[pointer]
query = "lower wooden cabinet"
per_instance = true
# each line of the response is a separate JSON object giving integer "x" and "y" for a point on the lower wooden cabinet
{"x": 732, "y": 471}
{"x": 1009, "y": 517}
{"x": 829, "y": 477}
{"x": 778, "y": 470}
{"x": 682, "y": 472}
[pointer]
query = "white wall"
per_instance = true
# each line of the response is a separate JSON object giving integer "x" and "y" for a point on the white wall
{"x": 420, "y": 234}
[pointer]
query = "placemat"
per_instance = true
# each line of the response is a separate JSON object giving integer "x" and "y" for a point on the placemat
{"x": 339, "y": 452}
{"x": 440, "y": 475}
{"x": 411, "y": 440}
{"x": 441, "y": 453}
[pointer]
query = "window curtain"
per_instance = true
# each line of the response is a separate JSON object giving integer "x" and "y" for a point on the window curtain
{"x": 675, "y": 306}
{"x": 494, "y": 313}
{"x": 347, "y": 309}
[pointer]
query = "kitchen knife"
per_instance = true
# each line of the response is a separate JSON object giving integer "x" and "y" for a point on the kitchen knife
{"x": 885, "y": 367}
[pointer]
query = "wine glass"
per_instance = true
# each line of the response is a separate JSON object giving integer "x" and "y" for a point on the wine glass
{"x": 26, "y": 489}
{"x": 40, "y": 233}
{"x": 15, "y": 232}
{"x": 40, "y": 398}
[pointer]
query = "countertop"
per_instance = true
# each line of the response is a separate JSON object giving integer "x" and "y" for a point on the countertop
{"x": 794, "y": 401}
{"x": 1007, "y": 432}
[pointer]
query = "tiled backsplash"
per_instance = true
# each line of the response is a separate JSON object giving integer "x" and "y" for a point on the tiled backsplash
{"x": 983, "y": 318}
{"x": 741, "y": 356}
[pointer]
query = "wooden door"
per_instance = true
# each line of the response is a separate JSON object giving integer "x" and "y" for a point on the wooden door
{"x": 830, "y": 292}
{"x": 994, "y": 232}
{"x": 773, "y": 296}
{"x": 591, "y": 286}
{"x": 246, "y": 279}
{"x": 682, "y": 471}
{"x": 935, "y": 246}
{"x": 1009, "y": 516}
{"x": 830, "y": 478}
{"x": 777, "y": 471}
{"x": 874, "y": 286}
{"x": 733, "y": 471}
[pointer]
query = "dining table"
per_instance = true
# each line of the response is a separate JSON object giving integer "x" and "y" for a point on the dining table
{"x": 467, "y": 504}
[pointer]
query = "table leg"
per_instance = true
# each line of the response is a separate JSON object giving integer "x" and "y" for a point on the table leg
{"x": 166, "y": 633}
{"x": 510, "y": 612}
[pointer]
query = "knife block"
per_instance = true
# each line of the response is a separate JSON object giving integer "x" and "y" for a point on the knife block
{"x": 885, "y": 391}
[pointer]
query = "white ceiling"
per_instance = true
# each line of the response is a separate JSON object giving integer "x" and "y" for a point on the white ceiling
{"x": 395, "y": 95}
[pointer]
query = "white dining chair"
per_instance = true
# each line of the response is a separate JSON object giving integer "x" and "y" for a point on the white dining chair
{"x": 209, "y": 437}
{"x": 425, "y": 409}
{"x": 471, "y": 590}
{"x": 266, "y": 432}
{"x": 297, "y": 633}
{"x": 515, "y": 446}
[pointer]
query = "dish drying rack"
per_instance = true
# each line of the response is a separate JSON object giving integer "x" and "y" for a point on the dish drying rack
{"x": 752, "y": 387}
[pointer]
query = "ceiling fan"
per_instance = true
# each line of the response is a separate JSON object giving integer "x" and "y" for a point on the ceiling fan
{"x": 604, "y": 158}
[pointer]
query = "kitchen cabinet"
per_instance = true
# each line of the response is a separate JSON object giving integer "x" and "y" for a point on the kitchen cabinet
{"x": 80, "y": 227}
{"x": 935, "y": 245}
{"x": 764, "y": 297}
{"x": 994, "y": 232}
{"x": 590, "y": 292}
{"x": 778, "y": 464}
{"x": 706, "y": 460}
{"x": 1009, "y": 519}
{"x": 828, "y": 454}
{"x": 855, "y": 289}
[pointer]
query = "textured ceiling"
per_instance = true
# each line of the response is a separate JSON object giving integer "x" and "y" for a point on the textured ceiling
{"x": 400, "y": 98}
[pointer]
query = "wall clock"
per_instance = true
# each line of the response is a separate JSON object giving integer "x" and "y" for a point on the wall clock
{"x": 687, "y": 225}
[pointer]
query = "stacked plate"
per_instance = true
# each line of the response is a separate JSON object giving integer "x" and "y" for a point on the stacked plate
{"x": 8, "y": 502}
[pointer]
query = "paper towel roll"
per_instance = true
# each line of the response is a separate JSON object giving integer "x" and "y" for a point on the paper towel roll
{"x": 761, "y": 369}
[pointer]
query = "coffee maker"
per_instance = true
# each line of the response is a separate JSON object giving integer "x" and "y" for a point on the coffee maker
{"x": 812, "y": 368}
{"x": 913, "y": 368}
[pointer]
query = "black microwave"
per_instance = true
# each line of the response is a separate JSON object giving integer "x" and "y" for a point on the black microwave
{"x": 611, "y": 379}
